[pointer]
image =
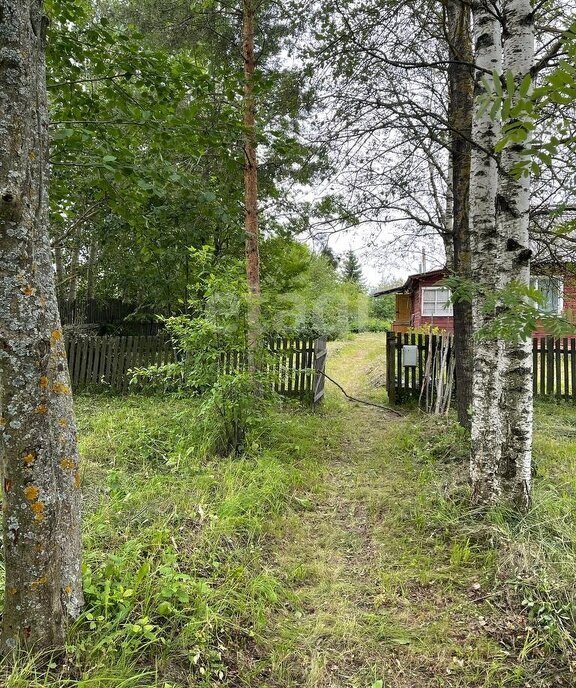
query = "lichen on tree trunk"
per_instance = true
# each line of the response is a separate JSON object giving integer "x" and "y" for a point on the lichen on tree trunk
{"x": 40, "y": 478}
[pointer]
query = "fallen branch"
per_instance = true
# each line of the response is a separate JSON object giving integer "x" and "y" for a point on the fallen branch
{"x": 359, "y": 401}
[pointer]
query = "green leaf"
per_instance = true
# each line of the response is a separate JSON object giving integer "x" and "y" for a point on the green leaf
{"x": 497, "y": 84}
{"x": 525, "y": 85}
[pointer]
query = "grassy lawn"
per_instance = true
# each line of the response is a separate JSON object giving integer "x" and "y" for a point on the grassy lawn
{"x": 339, "y": 552}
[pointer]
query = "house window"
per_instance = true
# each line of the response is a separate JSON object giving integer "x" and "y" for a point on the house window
{"x": 552, "y": 290}
{"x": 436, "y": 301}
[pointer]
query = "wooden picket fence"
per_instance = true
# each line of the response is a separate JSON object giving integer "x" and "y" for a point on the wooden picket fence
{"x": 105, "y": 361}
{"x": 404, "y": 383}
{"x": 554, "y": 366}
{"x": 296, "y": 365}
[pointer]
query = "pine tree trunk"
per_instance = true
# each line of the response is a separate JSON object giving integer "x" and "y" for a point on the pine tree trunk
{"x": 461, "y": 83}
{"x": 251, "y": 185}
{"x": 41, "y": 495}
{"x": 513, "y": 224}
{"x": 488, "y": 268}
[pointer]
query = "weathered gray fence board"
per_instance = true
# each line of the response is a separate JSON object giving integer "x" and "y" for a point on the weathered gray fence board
{"x": 296, "y": 366}
{"x": 553, "y": 361}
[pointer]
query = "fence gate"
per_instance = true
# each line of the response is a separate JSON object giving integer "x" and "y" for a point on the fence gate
{"x": 320, "y": 357}
{"x": 553, "y": 365}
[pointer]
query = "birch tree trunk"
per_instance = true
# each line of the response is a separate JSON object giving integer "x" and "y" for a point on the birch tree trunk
{"x": 40, "y": 479}
{"x": 252, "y": 240}
{"x": 91, "y": 270}
{"x": 513, "y": 225}
{"x": 488, "y": 267}
{"x": 74, "y": 268}
{"x": 448, "y": 233}
{"x": 59, "y": 262}
{"x": 461, "y": 88}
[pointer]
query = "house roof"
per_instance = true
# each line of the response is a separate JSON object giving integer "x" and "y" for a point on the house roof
{"x": 407, "y": 286}
{"x": 538, "y": 268}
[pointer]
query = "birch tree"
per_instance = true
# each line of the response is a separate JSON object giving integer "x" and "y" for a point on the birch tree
{"x": 500, "y": 207}
{"x": 40, "y": 478}
{"x": 488, "y": 266}
{"x": 513, "y": 226}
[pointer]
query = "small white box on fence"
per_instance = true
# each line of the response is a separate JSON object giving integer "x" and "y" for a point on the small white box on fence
{"x": 410, "y": 355}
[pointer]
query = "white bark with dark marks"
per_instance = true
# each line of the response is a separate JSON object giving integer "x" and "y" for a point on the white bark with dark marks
{"x": 513, "y": 225}
{"x": 40, "y": 478}
{"x": 488, "y": 265}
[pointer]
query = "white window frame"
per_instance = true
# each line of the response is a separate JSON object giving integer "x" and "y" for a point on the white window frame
{"x": 445, "y": 314}
{"x": 560, "y": 282}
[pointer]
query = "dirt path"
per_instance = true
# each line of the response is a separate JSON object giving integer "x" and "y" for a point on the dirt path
{"x": 382, "y": 596}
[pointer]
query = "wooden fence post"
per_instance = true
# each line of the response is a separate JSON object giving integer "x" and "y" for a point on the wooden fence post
{"x": 390, "y": 366}
{"x": 320, "y": 355}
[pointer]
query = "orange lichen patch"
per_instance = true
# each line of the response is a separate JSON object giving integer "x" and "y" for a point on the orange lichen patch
{"x": 39, "y": 582}
{"x": 29, "y": 459}
{"x": 56, "y": 336}
{"x": 38, "y": 509}
{"x": 67, "y": 464}
{"x": 13, "y": 591}
{"x": 60, "y": 388}
{"x": 7, "y": 485}
{"x": 63, "y": 422}
{"x": 77, "y": 480}
{"x": 44, "y": 381}
{"x": 68, "y": 589}
{"x": 31, "y": 493}
{"x": 42, "y": 409}
{"x": 28, "y": 290}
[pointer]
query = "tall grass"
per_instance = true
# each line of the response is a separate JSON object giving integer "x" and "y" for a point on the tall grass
{"x": 175, "y": 572}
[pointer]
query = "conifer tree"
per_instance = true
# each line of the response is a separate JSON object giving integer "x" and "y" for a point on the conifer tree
{"x": 351, "y": 268}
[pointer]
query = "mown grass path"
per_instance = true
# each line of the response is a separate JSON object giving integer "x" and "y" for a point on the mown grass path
{"x": 385, "y": 592}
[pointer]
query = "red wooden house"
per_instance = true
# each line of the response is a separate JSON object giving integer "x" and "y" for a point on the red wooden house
{"x": 422, "y": 301}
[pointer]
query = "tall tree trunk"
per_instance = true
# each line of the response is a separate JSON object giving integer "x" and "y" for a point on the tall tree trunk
{"x": 59, "y": 262}
{"x": 41, "y": 496}
{"x": 488, "y": 267}
{"x": 91, "y": 270}
{"x": 251, "y": 183}
{"x": 448, "y": 233}
{"x": 74, "y": 266}
{"x": 461, "y": 84}
{"x": 513, "y": 224}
